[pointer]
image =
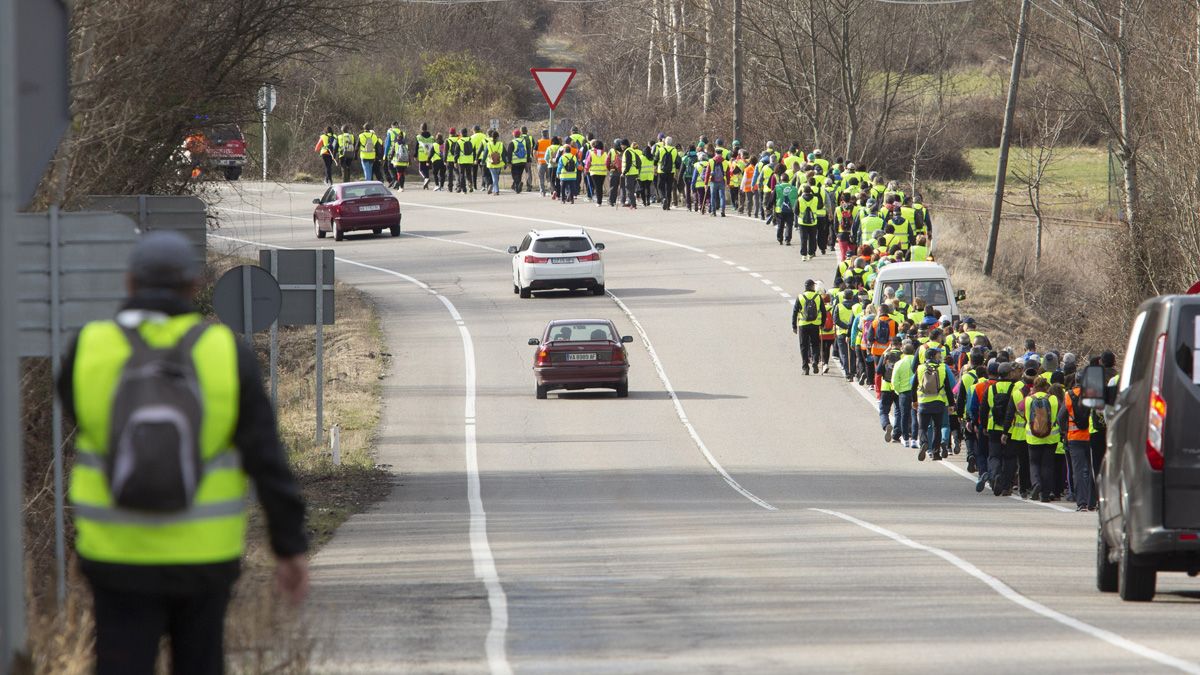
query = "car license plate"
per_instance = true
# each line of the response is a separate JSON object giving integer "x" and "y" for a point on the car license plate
{"x": 373, "y": 207}
{"x": 562, "y": 260}
{"x": 582, "y": 356}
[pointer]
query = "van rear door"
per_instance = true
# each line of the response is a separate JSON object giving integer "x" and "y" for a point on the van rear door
{"x": 1181, "y": 443}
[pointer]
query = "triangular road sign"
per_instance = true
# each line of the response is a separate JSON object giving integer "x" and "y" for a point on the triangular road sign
{"x": 553, "y": 83}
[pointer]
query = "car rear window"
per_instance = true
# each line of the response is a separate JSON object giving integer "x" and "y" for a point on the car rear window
{"x": 581, "y": 332}
{"x": 356, "y": 191}
{"x": 1187, "y": 343}
{"x": 562, "y": 245}
{"x": 224, "y": 134}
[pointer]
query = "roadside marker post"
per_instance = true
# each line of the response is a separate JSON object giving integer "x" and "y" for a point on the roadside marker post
{"x": 266, "y": 104}
{"x": 553, "y": 84}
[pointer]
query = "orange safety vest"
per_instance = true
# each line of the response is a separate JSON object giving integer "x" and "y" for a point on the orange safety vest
{"x": 877, "y": 347}
{"x": 542, "y": 144}
{"x": 749, "y": 180}
{"x": 1074, "y": 433}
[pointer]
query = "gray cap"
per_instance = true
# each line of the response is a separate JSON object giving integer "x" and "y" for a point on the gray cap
{"x": 1005, "y": 369}
{"x": 164, "y": 260}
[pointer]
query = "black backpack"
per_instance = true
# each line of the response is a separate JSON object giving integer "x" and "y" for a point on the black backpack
{"x": 809, "y": 311}
{"x": 1082, "y": 414}
{"x": 1000, "y": 401}
{"x": 154, "y": 458}
{"x": 809, "y": 217}
{"x": 889, "y": 365}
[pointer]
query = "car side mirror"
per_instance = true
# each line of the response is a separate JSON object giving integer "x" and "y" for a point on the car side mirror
{"x": 533, "y": 342}
{"x": 1094, "y": 390}
{"x": 317, "y": 201}
{"x": 960, "y": 295}
{"x": 512, "y": 250}
{"x": 599, "y": 247}
{"x": 626, "y": 339}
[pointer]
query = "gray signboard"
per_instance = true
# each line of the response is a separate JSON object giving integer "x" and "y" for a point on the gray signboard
{"x": 296, "y": 272}
{"x": 185, "y": 215}
{"x": 43, "y": 93}
{"x": 246, "y": 298}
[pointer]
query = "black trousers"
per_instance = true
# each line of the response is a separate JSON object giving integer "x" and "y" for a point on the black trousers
{"x": 783, "y": 226}
{"x": 518, "y": 170}
{"x": 614, "y": 187}
{"x": 597, "y": 183}
{"x": 810, "y": 345}
{"x": 347, "y": 166}
{"x": 666, "y": 187}
{"x": 822, "y": 234}
{"x": 808, "y": 239}
{"x": 1002, "y": 461}
{"x": 129, "y": 626}
{"x": 328, "y": 160}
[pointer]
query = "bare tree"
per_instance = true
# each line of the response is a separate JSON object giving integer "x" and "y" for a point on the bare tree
{"x": 1035, "y": 159}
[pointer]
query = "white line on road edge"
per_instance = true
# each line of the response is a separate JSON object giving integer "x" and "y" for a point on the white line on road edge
{"x": 1005, "y": 591}
{"x": 662, "y": 376}
{"x": 481, "y": 550}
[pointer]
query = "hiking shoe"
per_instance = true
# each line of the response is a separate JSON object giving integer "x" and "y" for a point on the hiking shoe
{"x": 824, "y": 368}
{"x": 1006, "y": 493}
{"x": 957, "y": 447}
{"x": 805, "y": 370}
{"x": 1024, "y": 493}
{"x": 887, "y": 434}
{"x": 1035, "y": 493}
{"x": 921, "y": 454}
{"x": 1081, "y": 508}
{"x": 970, "y": 465}
{"x": 981, "y": 483}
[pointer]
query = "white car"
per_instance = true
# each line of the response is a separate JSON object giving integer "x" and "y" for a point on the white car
{"x": 926, "y": 280}
{"x": 548, "y": 259}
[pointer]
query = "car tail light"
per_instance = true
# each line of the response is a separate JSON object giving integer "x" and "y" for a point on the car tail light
{"x": 1157, "y": 419}
{"x": 618, "y": 355}
{"x": 336, "y": 210}
{"x": 1188, "y": 536}
{"x": 534, "y": 260}
{"x": 591, "y": 257}
{"x": 543, "y": 357}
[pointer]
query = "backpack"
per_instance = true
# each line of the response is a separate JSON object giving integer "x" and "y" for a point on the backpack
{"x": 809, "y": 311}
{"x": 1000, "y": 401}
{"x": 1040, "y": 415}
{"x": 837, "y": 318}
{"x": 154, "y": 457}
{"x": 785, "y": 205}
{"x": 889, "y": 365}
{"x": 402, "y": 152}
{"x": 494, "y": 157}
{"x": 931, "y": 384}
{"x": 519, "y": 151}
{"x": 666, "y": 161}
{"x": 809, "y": 217}
{"x": 569, "y": 163}
{"x": 1081, "y": 413}
{"x": 847, "y": 221}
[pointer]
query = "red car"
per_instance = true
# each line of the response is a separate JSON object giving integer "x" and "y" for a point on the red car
{"x": 581, "y": 354}
{"x": 365, "y": 205}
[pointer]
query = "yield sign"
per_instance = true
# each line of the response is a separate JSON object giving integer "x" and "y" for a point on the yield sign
{"x": 553, "y": 83}
{"x": 1195, "y": 289}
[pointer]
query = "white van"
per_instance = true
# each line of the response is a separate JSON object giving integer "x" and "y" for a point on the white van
{"x": 926, "y": 280}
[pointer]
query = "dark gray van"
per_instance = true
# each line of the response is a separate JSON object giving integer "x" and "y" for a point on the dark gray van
{"x": 1149, "y": 484}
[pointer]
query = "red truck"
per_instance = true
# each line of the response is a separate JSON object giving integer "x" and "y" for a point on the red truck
{"x": 220, "y": 148}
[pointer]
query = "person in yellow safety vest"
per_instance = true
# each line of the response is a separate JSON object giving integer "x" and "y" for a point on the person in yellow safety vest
{"x": 551, "y": 159}
{"x": 465, "y": 150}
{"x": 888, "y": 398}
{"x": 922, "y": 223}
{"x": 613, "y": 159}
{"x": 530, "y": 150}
{"x": 808, "y": 315}
{"x": 389, "y": 140}
{"x": 820, "y": 161}
{"x": 828, "y": 332}
{"x": 1045, "y": 418}
{"x": 646, "y": 177}
{"x": 699, "y": 170}
{"x": 579, "y": 139}
{"x": 437, "y": 163}
{"x": 326, "y": 147}
{"x": 934, "y": 386}
{"x": 1016, "y": 422}
{"x": 568, "y": 176}
{"x": 160, "y": 515}
{"x": 346, "y": 152}
{"x": 978, "y": 338}
{"x": 597, "y": 168}
{"x": 666, "y": 164}
{"x": 478, "y": 145}
{"x": 367, "y": 140}
{"x": 518, "y": 153}
{"x": 737, "y": 174}
{"x": 425, "y": 144}
{"x": 870, "y": 222}
{"x": 400, "y": 155}
{"x": 631, "y": 167}
{"x": 495, "y": 162}
{"x": 807, "y": 216}
{"x": 920, "y": 250}
{"x": 843, "y": 315}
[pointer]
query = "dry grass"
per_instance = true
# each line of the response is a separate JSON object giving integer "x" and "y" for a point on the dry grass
{"x": 263, "y": 635}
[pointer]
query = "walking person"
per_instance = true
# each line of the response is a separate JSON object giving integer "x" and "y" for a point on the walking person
{"x": 785, "y": 212}
{"x": 543, "y": 149}
{"x": 160, "y": 541}
{"x": 903, "y": 380}
{"x": 718, "y": 174}
{"x": 518, "y": 156}
{"x": 597, "y": 169}
{"x": 935, "y": 386}
{"x": 495, "y": 162}
{"x": 807, "y": 216}
{"x": 437, "y": 162}
{"x": 400, "y": 156}
{"x": 631, "y": 165}
{"x": 425, "y": 143}
{"x": 666, "y": 164}
{"x": 327, "y": 147}
{"x": 808, "y": 315}
{"x": 346, "y": 152}
{"x": 367, "y": 140}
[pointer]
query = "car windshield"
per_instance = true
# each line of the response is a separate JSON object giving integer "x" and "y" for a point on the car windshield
{"x": 224, "y": 134}
{"x": 356, "y": 191}
{"x": 581, "y": 332}
{"x": 933, "y": 292}
{"x": 562, "y": 245}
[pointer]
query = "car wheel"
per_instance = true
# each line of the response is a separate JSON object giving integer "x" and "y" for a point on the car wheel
{"x": 1106, "y": 571}
{"x": 320, "y": 233}
{"x": 395, "y": 230}
{"x": 540, "y": 391}
{"x": 598, "y": 289}
{"x": 516, "y": 290}
{"x": 623, "y": 389}
{"x": 233, "y": 173}
{"x": 338, "y": 234}
{"x": 523, "y": 291}
{"x": 1135, "y": 580}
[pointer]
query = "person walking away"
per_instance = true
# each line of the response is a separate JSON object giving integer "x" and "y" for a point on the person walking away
{"x": 843, "y": 314}
{"x": 598, "y": 170}
{"x": 820, "y": 192}
{"x": 568, "y": 173}
{"x": 699, "y": 187}
{"x": 1042, "y": 434}
{"x": 969, "y": 376}
{"x": 389, "y": 144}
{"x": 518, "y": 152}
{"x": 400, "y": 159}
{"x": 807, "y": 216}
{"x": 543, "y": 149}
{"x": 347, "y": 152}
{"x": 366, "y": 151}
{"x": 425, "y": 141}
{"x": 919, "y": 252}
{"x": 450, "y": 154}
{"x": 614, "y": 172}
{"x": 479, "y": 143}
{"x": 327, "y": 147}
{"x": 785, "y": 212}
{"x": 527, "y": 170}
{"x": 828, "y": 332}
{"x": 903, "y": 383}
{"x": 437, "y": 162}
{"x": 980, "y": 422}
{"x": 646, "y": 177}
{"x": 808, "y": 315}
{"x": 665, "y": 166}
{"x": 466, "y": 163}
{"x": 883, "y": 329}
{"x": 717, "y": 175}
{"x": 934, "y": 385}
{"x": 1002, "y": 457}
{"x": 887, "y": 395}
{"x": 159, "y": 506}
{"x": 495, "y": 162}
{"x": 1079, "y": 423}
{"x": 751, "y": 201}
{"x": 631, "y": 163}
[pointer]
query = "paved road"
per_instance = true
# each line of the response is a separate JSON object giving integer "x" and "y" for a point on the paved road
{"x": 741, "y": 518}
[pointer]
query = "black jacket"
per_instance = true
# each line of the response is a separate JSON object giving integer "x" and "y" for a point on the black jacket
{"x": 263, "y": 459}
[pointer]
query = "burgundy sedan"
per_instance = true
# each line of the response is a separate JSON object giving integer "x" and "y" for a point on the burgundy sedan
{"x": 581, "y": 354}
{"x": 365, "y": 205}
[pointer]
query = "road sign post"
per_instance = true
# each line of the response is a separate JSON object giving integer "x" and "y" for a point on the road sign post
{"x": 266, "y": 104}
{"x": 553, "y": 84}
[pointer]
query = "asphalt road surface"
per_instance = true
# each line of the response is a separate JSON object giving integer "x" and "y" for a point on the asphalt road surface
{"x": 730, "y": 516}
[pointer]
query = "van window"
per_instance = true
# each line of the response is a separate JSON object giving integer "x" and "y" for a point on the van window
{"x": 905, "y": 286}
{"x": 1135, "y": 338}
{"x": 933, "y": 292}
{"x": 1187, "y": 342}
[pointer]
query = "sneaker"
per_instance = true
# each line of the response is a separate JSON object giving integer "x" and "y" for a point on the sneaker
{"x": 1006, "y": 493}
{"x": 824, "y": 368}
{"x": 1035, "y": 493}
{"x": 958, "y": 447}
{"x": 1024, "y": 493}
{"x": 981, "y": 483}
{"x": 887, "y": 434}
{"x": 895, "y": 438}
{"x": 921, "y": 454}
{"x": 970, "y": 465}
{"x": 1081, "y": 508}
{"x": 805, "y": 370}
{"x": 781, "y": 242}
{"x": 935, "y": 457}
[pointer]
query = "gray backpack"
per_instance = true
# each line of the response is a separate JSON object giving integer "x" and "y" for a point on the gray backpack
{"x": 154, "y": 458}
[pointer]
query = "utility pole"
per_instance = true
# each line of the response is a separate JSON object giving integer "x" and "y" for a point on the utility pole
{"x": 1014, "y": 81}
{"x": 737, "y": 69}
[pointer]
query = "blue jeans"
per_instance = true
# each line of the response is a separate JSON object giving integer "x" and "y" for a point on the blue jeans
{"x": 368, "y": 165}
{"x": 904, "y": 415}
{"x": 886, "y": 400}
{"x": 843, "y": 352}
{"x": 981, "y": 452}
{"x": 1080, "y": 453}
{"x": 495, "y": 180}
{"x": 714, "y": 190}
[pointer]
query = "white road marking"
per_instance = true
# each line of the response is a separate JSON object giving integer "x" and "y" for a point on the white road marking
{"x": 714, "y": 256}
{"x": 728, "y": 262}
{"x": 455, "y": 241}
{"x": 662, "y": 376}
{"x": 481, "y": 550}
{"x": 756, "y": 275}
{"x": 742, "y": 269}
{"x": 1008, "y": 593}
{"x": 786, "y": 295}
{"x": 767, "y": 282}
{"x": 777, "y": 289}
